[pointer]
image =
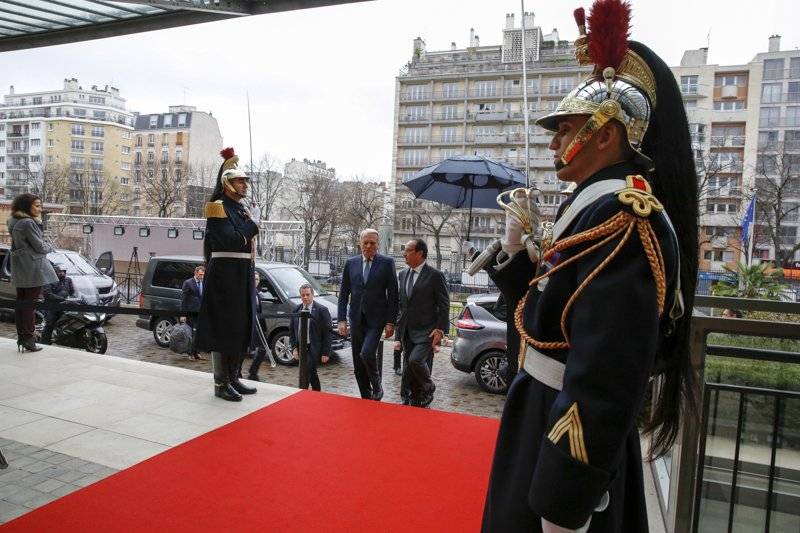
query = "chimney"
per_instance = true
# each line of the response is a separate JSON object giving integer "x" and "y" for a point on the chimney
{"x": 528, "y": 20}
{"x": 419, "y": 48}
{"x": 471, "y": 37}
{"x": 477, "y": 41}
{"x": 11, "y": 90}
{"x": 704, "y": 55}
{"x": 774, "y": 43}
{"x": 453, "y": 46}
{"x": 509, "y": 21}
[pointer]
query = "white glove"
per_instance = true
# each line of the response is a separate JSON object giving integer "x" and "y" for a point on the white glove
{"x": 252, "y": 209}
{"x": 512, "y": 241}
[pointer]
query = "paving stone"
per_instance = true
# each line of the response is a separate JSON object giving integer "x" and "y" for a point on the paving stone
{"x": 37, "y": 467}
{"x": 58, "y": 458}
{"x": 9, "y": 511}
{"x": 21, "y": 461}
{"x": 39, "y": 500}
{"x": 55, "y": 471}
{"x": 31, "y": 480}
{"x": 70, "y": 476}
{"x": 90, "y": 468}
{"x": 12, "y": 475}
{"x": 49, "y": 485}
{"x": 21, "y": 496}
{"x": 87, "y": 480}
{"x": 7, "y": 489}
{"x": 64, "y": 490}
{"x": 42, "y": 455}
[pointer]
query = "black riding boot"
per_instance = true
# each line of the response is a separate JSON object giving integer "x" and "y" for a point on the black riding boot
{"x": 222, "y": 381}
{"x": 234, "y": 370}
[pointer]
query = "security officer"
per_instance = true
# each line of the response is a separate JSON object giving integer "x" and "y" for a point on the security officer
{"x": 602, "y": 296}
{"x": 226, "y": 320}
{"x": 59, "y": 291}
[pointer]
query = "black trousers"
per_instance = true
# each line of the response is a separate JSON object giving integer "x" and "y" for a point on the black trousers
{"x": 311, "y": 364}
{"x": 418, "y": 363}
{"x": 365, "y": 341}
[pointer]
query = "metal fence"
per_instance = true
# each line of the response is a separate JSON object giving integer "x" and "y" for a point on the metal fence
{"x": 737, "y": 466}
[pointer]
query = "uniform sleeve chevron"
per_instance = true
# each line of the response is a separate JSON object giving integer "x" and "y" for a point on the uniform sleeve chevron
{"x": 214, "y": 210}
{"x": 570, "y": 424}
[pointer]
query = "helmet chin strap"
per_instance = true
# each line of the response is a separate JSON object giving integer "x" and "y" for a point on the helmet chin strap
{"x": 608, "y": 110}
{"x": 230, "y": 188}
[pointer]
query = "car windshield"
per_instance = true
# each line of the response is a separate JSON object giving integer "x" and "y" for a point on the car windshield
{"x": 289, "y": 279}
{"x": 75, "y": 264}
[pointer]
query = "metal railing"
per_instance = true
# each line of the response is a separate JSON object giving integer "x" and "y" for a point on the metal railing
{"x": 738, "y": 462}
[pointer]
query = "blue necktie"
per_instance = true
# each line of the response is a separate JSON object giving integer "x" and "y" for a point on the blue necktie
{"x": 366, "y": 269}
{"x": 200, "y": 287}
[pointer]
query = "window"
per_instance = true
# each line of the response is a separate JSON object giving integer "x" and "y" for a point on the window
{"x": 97, "y": 100}
{"x": 689, "y": 84}
{"x": 126, "y": 150}
{"x": 153, "y": 122}
{"x": 35, "y": 159}
{"x": 771, "y": 93}
{"x": 168, "y": 120}
{"x": 773, "y": 69}
{"x": 732, "y": 105}
{"x": 449, "y": 112}
{"x": 181, "y": 119}
{"x": 164, "y": 174}
{"x": 76, "y": 146}
{"x": 138, "y": 140}
{"x": 125, "y": 165}
{"x": 794, "y": 67}
{"x": 77, "y": 129}
{"x": 485, "y": 88}
{"x": 99, "y": 115}
{"x": 725, "y": 256}
{"x": 730, "y": 79}
{"x": 416, "y": 92}
{"x": 36, "y": 125}
{"x": 178, "y": 175}
{"x": 416, "y": 112}
{"x": 151, "y": 157}
{"x": 793, "y": 94}
{"x": 36, "y": 142}
{"x": 697, "y": 131}
{"x": 450, "y": 90}
{"x": 97, "y": 147}
{"x": 172, "y": 274}
{"x": 444, "y": 153}
{"x": 151, "y": 140}
{"x": 79, "y": 112}
{"x": 97, "y": 164}
{"x": 770, "y": 117}
{"x": 179, "y": 156}
{"x": 560, "y": 85}
{"x": 98, "y": 131}
{"x": 416, "y": 135}
{"x": 165, "y": 139}
{"x": 179, "y": 138}
{"x": 690, "y": 104}
{"x": 49, "y": 143}
{"x": 77, "y": 162}
{"x": 449, "y": 134}
{"x": 414, "y": 157}
{"x": 165, "y": 156}
{"x": 792, "y": 116}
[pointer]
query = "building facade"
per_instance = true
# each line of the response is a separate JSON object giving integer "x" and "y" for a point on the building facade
{"x": 71, "y": 146}
{"x": 175, "y": 161}
{"x": 745, "y": 127}
{"x": 470, "y": 101}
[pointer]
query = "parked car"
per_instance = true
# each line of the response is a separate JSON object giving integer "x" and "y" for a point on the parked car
{"x": 97, "y": 277}
{"x": 480, "y": 344}
{"x": 278, "y": 290}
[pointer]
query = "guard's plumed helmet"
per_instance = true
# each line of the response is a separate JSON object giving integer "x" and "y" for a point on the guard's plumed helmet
{"x": 621, "y": 87}
{"x": 229, "y": 170}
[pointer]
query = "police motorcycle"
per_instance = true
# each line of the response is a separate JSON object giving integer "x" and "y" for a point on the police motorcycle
{"x": 79, "y": 329}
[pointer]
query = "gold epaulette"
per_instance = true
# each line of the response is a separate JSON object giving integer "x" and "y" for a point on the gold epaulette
{"x": 639, "y": 195}
{"x": 214, "y": 210}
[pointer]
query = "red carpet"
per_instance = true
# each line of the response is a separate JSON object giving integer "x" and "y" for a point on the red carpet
{"x": 311, "y": 462}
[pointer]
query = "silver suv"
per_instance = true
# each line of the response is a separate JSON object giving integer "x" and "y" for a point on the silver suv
{"x": 480, "y": 344}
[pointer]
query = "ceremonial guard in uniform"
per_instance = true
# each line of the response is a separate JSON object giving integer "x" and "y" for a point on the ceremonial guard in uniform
{"x": 605, "y": 296}
{"x": 226, "y": 322}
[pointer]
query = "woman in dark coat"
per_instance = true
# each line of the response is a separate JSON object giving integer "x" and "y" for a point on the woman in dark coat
{"x": 225, "y": 324}
{"x": 30, "y": 269}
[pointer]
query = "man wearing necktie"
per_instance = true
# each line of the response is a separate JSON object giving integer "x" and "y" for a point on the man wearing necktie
{"x": 192, "y": 295}
{"x": 369, "y": 287}
{"x": 423, "y": 320}
{"x": 318, "y": 339}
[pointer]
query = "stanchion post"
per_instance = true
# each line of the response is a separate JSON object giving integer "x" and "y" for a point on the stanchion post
{"x": 305, "y": 316}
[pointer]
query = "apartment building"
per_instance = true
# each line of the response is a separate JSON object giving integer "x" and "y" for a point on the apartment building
{"x": 745, "y": 126}
{"x": 180, "y": 146}
{"x": 470, "y": 101}
{"x": 71, "y": 145}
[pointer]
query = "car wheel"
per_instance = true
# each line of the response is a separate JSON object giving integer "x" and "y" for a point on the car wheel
{"x": 490, "y": 372}
{"x": 162, "y": 330}
{"x": 281, "y": 348}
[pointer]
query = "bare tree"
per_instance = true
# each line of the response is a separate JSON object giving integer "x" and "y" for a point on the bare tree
{"x": 96, "y": 192}
{"x": 49, "y": 181}
{"x": 310, "y": 200}
{"x": 163, "y": 187}
{"x": 201, "y": 180}
{"x": 435, "y": 219}
{"x": 361, "y": 202}
{"x": 777, "y": 191}
{"x": 266, "y": 183}
{"x": 719, "y": 178}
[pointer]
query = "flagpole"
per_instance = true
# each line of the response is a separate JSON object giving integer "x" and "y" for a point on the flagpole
{"x": 525, "y": 101}
{"x": 752, "y": 236}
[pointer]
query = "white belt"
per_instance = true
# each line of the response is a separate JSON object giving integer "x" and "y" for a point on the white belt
{"x": 543, "y": 368}
{"x": 230, "y": 255}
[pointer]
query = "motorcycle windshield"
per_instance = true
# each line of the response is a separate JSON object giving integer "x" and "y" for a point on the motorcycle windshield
{"x": 86, "y": 290}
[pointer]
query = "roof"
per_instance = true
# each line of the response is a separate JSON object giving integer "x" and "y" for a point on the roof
{"x": 34, "y": 23}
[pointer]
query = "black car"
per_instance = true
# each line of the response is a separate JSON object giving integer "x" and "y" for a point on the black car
{"x": 278, "y": 290}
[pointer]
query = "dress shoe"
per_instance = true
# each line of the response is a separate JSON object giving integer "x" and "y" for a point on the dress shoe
{"x": 398, "y": 371}
{"x": 226, "y": 392}
{"x": 253, "y": 377}
{"x": 377, "y": 395}
{"x": 427, "y": 398}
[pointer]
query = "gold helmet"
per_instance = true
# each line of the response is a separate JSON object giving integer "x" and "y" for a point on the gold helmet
{"x": 621, "y": 87}
{"x": 229, "y": 170}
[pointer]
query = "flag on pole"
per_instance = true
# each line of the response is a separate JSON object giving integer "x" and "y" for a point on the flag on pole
{"x": 747, "y": 220}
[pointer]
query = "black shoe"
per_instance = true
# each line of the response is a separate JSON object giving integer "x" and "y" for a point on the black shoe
{"x": 241, "y": 388}
{"x": 427, "y": 398}
{"x": 398, "y": 371}
{"x": 406, "y": 401}
{"x": 377, "y": 395}
{"x": 253, "y": 377}
{"x": 226, "y": 392}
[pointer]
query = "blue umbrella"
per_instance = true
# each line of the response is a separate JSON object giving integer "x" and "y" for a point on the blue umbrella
{"x": 465, "y": 181}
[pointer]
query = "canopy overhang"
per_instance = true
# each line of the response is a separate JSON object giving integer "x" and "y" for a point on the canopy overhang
{"x": 35, "y": 23}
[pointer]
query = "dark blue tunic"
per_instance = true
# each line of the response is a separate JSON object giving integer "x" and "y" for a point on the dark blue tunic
{"x": 615, "y": 331}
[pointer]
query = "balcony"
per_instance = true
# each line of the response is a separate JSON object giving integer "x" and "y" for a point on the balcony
{"x": 447, "y": 117}
{"x": 11, "y": 151}
{"x": 484, "y": 94}
{"x": 449, "y": 95}
{"x": 738, "y": 462}
{"x": 402, "y": 119}
{"x": 489, "y": 138}
{"x": 489, "y": 116}
{"x": 17, "y": 134}
{"x": 417, "y": 163}
{"x": 693, "y": 91}
{"x": 447, "y": 139}
{"x": 412, "y": 140}
{"x": 414, "y": 96}
{"x": 727, "y": 141}
{"x": 724, "y": 192}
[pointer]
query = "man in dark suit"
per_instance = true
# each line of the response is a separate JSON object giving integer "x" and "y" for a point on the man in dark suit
{"x": 424, "y": 318}
{"x": 318, "y": 343}
{"x": 192, "y": 294}
{"x": 369, "y": 285}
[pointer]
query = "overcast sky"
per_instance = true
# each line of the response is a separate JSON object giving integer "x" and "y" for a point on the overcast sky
{"x": 322, "y": 81}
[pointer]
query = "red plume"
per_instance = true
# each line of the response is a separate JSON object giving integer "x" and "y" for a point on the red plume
{"x": 609, "y": 29}
{"x": 227, "y": 153}
{"x": 580, "y": 17}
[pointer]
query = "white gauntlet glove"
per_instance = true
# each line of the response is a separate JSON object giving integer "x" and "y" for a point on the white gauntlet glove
{"x": 252, "y": 209}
